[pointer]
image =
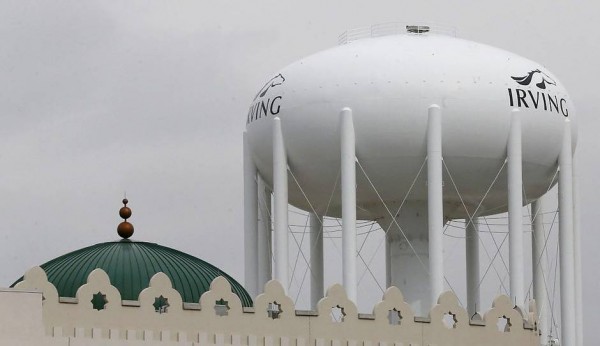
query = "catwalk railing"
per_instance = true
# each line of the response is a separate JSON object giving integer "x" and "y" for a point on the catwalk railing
{"x": 98, "y": 316}
{"x": 393, "y": 28}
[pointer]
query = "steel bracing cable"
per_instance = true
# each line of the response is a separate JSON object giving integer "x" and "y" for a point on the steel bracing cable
{"x": 362, "y": 258}
{"x": 498, "y": 253}
{"x": 367, "y": 237}
{"x": 498, "y": 247}
{"x": 545, "y": 281}
{"x": 371, "y": 224}
{"x": 371, "y": 259}
{"x": 368, "y": 264}
{"x": 470, "y": 216}
{"x": 544, "y": 249}
{"x": 269, "y": 222}
{"x": 336, "y": 228}
{"x": 308, "y": 268}
{"x": 491, "y": 264}
{"x": 393, "y": 216}
{"x": 299, "y": 245}
{"x": 500, "y": 217}
{"x": 367, "y": 268}
{"x": 300, "y": 252}
{"x": 471, "y": 221}
{"x": 405, "y": 196}
{"x": 400, "y": 228}
{"x": 370, "y": 272}
{"x": 396, "y": 222}
{"x": 490, "y": 231}
{"x": 397, "y": 211}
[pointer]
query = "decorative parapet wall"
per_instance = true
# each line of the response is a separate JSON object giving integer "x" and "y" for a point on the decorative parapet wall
{"x": 98, "y": 316}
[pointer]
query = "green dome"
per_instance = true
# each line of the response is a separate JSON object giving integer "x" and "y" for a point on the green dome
{"x": 131, "y": 264}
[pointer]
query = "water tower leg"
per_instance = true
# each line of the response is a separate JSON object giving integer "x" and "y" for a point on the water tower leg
{"x": 515, "y": 211}
{"x": 280, "y": 212}
{"x": 316, "y": 260}
{"x": 250, "y": 222}
{"x": 388, "y": 260}
{"x": 348, "y": 163}
{"x": 565, "y": 240}
{"x": 472, "y": 254}
{"x": 577, "y": 254}
{"x": 264, "y": 234}
{"x": 539, "y": 267}
{"x": 435, "y": 202}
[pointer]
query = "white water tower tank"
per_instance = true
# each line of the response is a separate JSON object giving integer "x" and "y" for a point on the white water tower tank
{"x": 389, "y": 82}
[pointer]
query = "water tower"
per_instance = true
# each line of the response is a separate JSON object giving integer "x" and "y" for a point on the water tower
{"x": 415, "y": 128}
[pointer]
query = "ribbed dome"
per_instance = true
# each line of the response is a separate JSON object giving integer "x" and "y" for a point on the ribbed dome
{"x": 131, "y": 264}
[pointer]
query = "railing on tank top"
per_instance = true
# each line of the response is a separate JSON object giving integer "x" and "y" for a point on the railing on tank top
{"x": 393, "y": 28}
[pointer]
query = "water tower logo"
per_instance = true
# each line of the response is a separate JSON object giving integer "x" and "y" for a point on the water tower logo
{"x": 539, "y": 100}
{"x": 273, "y": 82}
{"x": 264, "y": 106}
{"x": 527, "y": 79}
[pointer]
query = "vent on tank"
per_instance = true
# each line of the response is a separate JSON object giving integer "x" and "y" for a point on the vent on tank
{"x": 417, "y": 29}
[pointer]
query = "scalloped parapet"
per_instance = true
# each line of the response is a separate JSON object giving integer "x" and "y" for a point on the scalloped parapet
{"x": 159, "y": 315}
{"x": 160, "y": 298}
{"x": 336, "y": 298}
{"x": 36, "y": 279}
{"x": 449, "y": 311}
{"x": 109, "y": 298}
{"x": 274, "y": 304}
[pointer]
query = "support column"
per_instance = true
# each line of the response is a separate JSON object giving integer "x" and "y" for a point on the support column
{"x": 348, "y": 167}
{"x": 280, "y": 208}
{"x": 473, "y": 277}
{"x": 515, "y": 211}
{"x": 388, "y": 258}
{"x": 577, "y": 254}
{"x": 317, "y": 285}
{"x": 264, "y": 234}
{"x": 539, "y": 267}
{"x": 565, "y": 240}
{"x": 250, "y": 222}
{"x": 435, "y": 202}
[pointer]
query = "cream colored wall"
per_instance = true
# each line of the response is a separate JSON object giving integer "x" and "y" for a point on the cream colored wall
{"x": 20, "y": 317}
{"x": 72, "y": 322}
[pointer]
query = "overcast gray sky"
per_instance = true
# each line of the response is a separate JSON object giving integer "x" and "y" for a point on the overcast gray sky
{"x": 150, "y": 97}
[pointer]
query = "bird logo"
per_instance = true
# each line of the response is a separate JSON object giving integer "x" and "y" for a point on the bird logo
{"x": 273, "y": 82}
{"x": 528, "y": 78}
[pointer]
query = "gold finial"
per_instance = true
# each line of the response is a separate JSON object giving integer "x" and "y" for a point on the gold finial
{"x": 125, "y": 229}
